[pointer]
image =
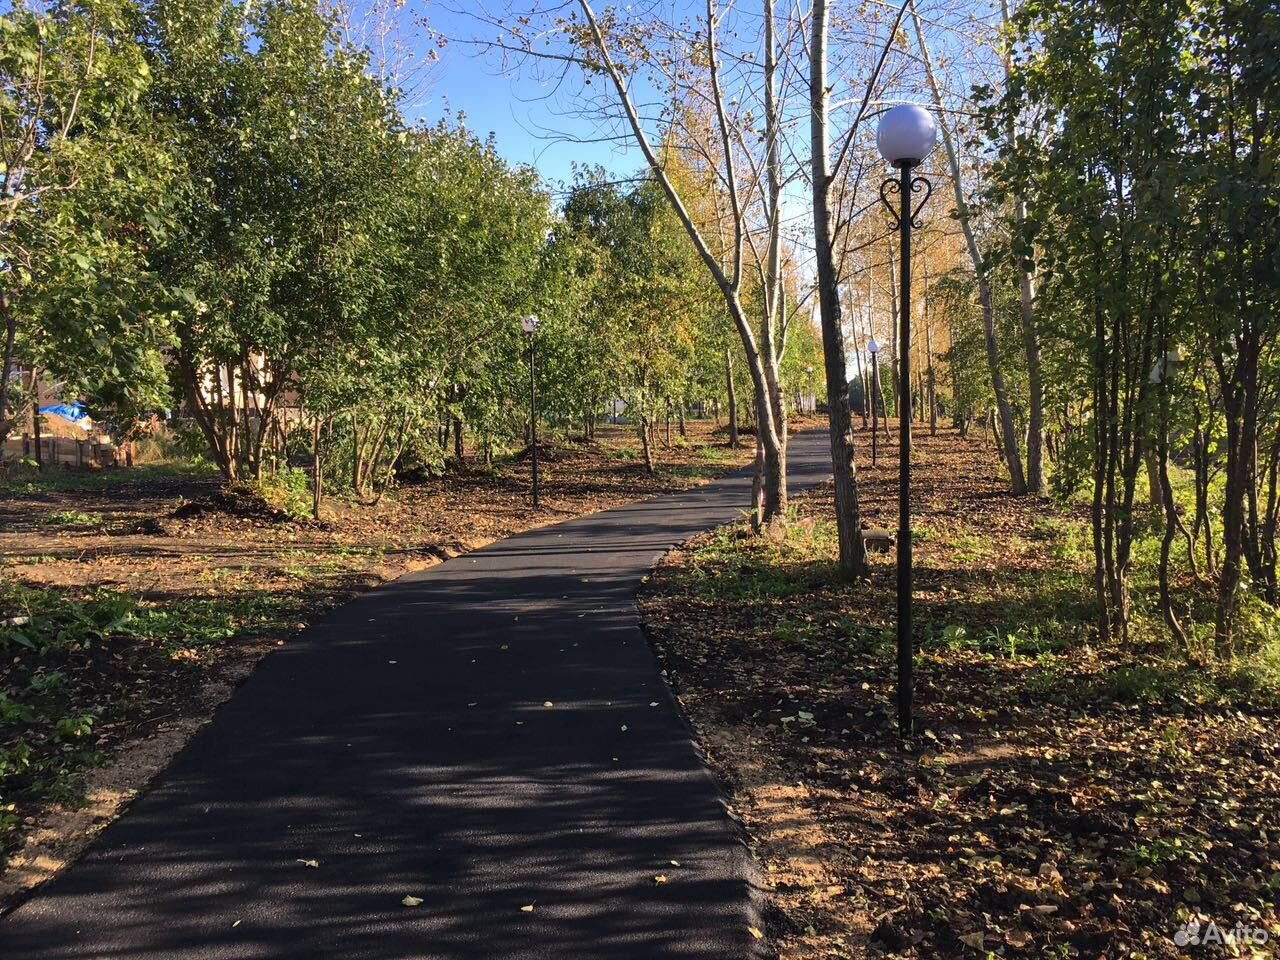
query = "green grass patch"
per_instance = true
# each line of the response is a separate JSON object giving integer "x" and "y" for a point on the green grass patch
{"x": 27, "y": 482}
{"x": 72, "y": 666}
{"x": 75, "y": 520}
{"x": 968, "y": 547}
{"x": 732, "y": 565}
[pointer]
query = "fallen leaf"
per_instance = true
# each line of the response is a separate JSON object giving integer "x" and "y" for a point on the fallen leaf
{"x": 527, "y": 908}
{"x": 1018, "y": 938}
{"x": 309, "y": 863}
{"x": 756, "y": 932}
{"x": 411, "y": 901}
{"x": 660, "y": 878}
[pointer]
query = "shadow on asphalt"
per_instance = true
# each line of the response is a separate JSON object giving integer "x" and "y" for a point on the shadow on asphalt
{"x": 406, "y": 746}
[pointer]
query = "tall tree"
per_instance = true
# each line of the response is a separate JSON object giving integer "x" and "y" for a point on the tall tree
{"x": 982, "y": 269}
{"x": 82, "y": 188}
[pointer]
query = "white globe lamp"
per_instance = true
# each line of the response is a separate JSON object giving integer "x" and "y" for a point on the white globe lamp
{"x": 907, "y": 135}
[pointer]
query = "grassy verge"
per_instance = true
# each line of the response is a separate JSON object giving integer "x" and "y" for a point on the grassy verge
{"x": 29, "y": 482}
{"x": 1063, "y": 800}
{"x": 80, "y": 673}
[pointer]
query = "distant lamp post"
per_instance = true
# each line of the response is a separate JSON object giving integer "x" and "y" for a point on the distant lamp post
{"x": 906, "y": 136}
{"x": 873, "y": 348}
{"x": 530, "y": 326}
{"x": 813, "y": 402}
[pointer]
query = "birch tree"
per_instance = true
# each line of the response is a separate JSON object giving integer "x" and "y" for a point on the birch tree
{"x": 650, "y": 69}
{"x": 964, "y": 213}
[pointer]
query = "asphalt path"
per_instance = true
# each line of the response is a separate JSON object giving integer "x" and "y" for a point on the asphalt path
{"x": 405, "y": 745}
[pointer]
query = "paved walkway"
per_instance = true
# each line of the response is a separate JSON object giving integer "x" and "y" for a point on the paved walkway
{"x": 404, "y": 743}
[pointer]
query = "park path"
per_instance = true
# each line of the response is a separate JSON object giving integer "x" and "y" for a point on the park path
{"x": 404, "y": 745}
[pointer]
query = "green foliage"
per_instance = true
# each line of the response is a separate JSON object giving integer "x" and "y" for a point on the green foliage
{"x": 86, "y": 175}
{"x": 74, "y": 664}
{"x": 74, "y": 518}
{"x": 1140, "y": 684}
{"x": 27, "y": 482}
{"x": 1134, "y": 135}
{"x": 235, "y": 219}
{"x": 657, "y": 319}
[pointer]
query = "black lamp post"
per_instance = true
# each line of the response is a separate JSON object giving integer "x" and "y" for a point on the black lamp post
{"x": 530, "y": 326}
{"x": 873, "y": 348}
{"x": 906, "y": 136}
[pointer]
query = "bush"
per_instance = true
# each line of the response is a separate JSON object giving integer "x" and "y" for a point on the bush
{"x": 1140, "y": 684}
{"x": 289, "y": 490}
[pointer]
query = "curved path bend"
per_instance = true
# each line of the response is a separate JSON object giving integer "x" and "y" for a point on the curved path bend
{"x": 404, "y": 744}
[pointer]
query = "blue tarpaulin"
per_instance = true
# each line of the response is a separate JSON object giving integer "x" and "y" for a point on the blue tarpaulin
{"x": 67, "y": 411}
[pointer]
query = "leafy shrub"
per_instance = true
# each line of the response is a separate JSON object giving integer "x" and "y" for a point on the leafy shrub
{"x": 289, "y": 490}
{"x": 75, "y": 519}
{"x": 1074, "y": 464}
{"x": 1140, "y": 684}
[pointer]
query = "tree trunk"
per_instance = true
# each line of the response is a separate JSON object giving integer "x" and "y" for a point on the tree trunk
{"x": 1241, "y": 416}
{"x": 357, "y": 454}
{"x": 1170, "y": 517}
{"x": 228, "y": 397}
{"x": 879, "y": 399}
{"x": 35, "y": 419}
{"x": 862, "y": 377}
{"x": 772, "y": 429}
{"x": 895, "y": 383}
{"x": 6, "y": 368}
{"x": 1012, "y": 456}
{"x": 853, "y": 550}
{"x": 757, "y": 489}
{"x": 931, "y": 380}
{"x": 733, "y": 399}
{"x": 208, "y": 418}
{"x": 317, "y": 473}
{"x": 1155, "y": 493}
{"x": 1009, "y": 434}
{"x": 1270, "y": 557}
{"x": 645, "y": 445}
{"x": 762, "y": 358}
{"x": 1037, "y": 476}
{"x": 1203, "y": 528}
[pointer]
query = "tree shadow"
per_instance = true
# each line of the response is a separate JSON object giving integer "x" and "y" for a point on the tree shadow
{"x": 406, "y": 745}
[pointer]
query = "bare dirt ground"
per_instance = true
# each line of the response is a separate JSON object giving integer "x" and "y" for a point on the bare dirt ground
{"x": 164, "y": 593}
{"x": 1062, "y": 800}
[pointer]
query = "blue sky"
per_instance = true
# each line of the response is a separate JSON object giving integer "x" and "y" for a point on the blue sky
{"x": 512, "y": 107}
